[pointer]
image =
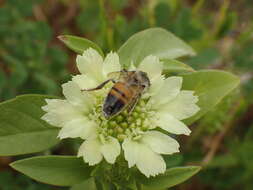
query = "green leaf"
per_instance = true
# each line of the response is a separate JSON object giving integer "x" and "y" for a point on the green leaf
{"x": 21, "y": 129}
{"x": 210, "y": 86}
{"x": 173, "y": 160}
{"x": 153, "y": 41}
{"x": 88, "y": 184}
{"x": 174, "y": 66}
{"x": 79, "y": 44}
{"x": 205, "y": 58}
{"x": 54, "y": 170}
{"x": 170, "y": 178}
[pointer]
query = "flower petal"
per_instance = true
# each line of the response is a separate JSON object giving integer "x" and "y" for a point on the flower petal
{"x": 130, "y": 151}
{"x": 171, "y": 124}
{"x": 111, "y": 63}
{"x": 152, "y": 66}
{"x": 90, "y": 151}
{"x": 91, "y": 64}
{"x": 155, "y": 86}
{"x": 56, "y": 105}
{"x": 73, "y": 94}
{"x": 78, "y": 128}
{"x": 111, "y": 150}
{"x": 160, "y": 143}
{"x": 59, "y": 112}
{"x": 85, "y": 82}
{"x": 170, "y": 89}
{"x": 52, "y": 119}
{"x": 147, "y": 161}
{"x": 183, "y": 106}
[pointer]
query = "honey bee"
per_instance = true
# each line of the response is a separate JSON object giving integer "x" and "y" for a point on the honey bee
{"x": 125, "y": 93}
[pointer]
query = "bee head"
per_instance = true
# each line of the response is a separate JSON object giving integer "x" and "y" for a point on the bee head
{"x": 143, "y": 79}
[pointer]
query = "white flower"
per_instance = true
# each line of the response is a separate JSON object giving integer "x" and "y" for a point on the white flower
{"x": 164, "y": 105}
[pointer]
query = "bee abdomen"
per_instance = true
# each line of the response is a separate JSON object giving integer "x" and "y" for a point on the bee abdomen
{"x": 112, "y": 105}
{"x": 122, "y": 90}
{"x": 116, "y": 100}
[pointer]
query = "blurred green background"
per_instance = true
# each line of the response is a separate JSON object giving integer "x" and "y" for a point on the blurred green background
{"x": 33, "y": 60}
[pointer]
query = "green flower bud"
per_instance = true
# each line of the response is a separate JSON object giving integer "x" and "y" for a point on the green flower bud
{"x": 119, "y": 118}
{"x": 132, "y": 125}
{"x": 137, "y": 108}
{"x": 113, "y": 124}
{"x": 124, "y": 124}
{"x": 125, "y": 113}
{"x": 142, "y": 103}
{"x": 131, "y": 119}
{"x": 143, "y": 115}
{"x": 135, "y": 114}
{"x": 138, "y": 122}
{"x": 121, "y": 137}
{"x": 110, "y": 131}
{"x": 120, "y": 130}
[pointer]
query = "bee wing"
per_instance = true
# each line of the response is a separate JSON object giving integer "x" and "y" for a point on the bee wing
{"x": 133, "y": 103}
{"x": 99, "y": 86}
{"x": 114, "y": 75}
{"x": 123, "y": 74}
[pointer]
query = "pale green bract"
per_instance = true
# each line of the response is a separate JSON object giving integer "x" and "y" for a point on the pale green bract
{"x": 163, "y": 106}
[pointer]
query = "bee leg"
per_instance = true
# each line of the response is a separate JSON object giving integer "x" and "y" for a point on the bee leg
{"x": 99, "y": 86}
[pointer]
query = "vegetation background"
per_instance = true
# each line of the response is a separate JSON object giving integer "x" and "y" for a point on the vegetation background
{"x": 33, "y": 60}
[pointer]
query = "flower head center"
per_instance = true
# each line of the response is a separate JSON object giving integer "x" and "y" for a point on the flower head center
{"x": 124, "y": 124}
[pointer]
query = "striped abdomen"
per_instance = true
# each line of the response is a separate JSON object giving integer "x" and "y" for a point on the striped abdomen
{"x": 118, "y": 97}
